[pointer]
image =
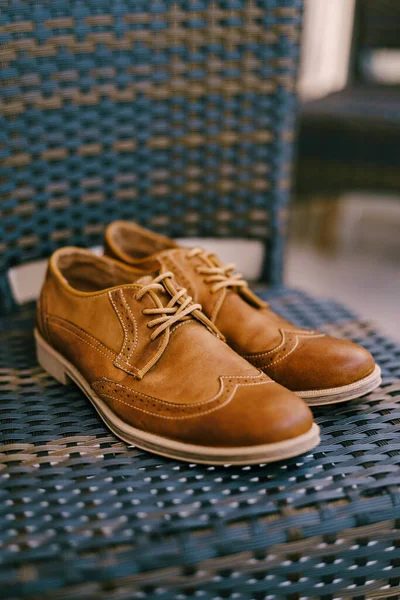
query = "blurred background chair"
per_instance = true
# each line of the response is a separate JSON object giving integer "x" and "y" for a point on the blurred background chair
{"x": 349, "y": 139}
{"x": 180, "y": 115}
{"x": 345, "y": 217}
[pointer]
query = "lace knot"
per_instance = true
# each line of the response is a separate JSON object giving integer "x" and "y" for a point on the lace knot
{"x": 179, "y": 307}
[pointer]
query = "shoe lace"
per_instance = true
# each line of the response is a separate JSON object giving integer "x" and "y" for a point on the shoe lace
{"x": 178, "y": 308}
{"x": 220, "y": 277}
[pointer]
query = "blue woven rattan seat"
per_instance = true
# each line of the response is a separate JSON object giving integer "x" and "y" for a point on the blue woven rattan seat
{"x": 177, "y": 114}
{"x": 86, "y": 516}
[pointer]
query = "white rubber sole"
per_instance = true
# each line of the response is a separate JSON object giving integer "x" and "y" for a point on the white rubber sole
{"x": 345, "y": 392}
{"x": 62, "y": 370}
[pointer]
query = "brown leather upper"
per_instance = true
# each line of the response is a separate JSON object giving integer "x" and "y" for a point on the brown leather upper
{"x": 297, "y": 358}
{"x": 156, "y": 360}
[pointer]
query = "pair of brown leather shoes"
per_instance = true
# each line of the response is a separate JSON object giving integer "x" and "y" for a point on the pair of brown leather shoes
{"x": 181, "y": 358}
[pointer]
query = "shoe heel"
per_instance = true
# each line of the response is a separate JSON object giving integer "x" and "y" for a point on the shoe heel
{"x": 47, "y": 358}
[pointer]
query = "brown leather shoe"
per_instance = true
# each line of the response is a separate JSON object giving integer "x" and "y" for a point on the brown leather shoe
{"x": 156, "y": 369}
{"x": 317, "y": 367}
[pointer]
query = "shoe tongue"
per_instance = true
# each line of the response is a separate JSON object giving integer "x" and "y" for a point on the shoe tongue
{"x": 162, "y": 294}
{"x": 145, "y": 279}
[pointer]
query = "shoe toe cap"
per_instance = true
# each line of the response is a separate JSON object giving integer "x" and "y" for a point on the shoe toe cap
{"x": 324, "y": 363}
{"x": 262, "y": 414}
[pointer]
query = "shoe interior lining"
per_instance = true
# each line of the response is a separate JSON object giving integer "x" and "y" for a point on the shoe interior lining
{"x": 87, "y": 273}
{"x": 138, "y": 244}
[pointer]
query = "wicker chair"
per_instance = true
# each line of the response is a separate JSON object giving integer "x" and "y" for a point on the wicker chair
{"x": 178, "y": 114}
{"x": 349, "y": 139}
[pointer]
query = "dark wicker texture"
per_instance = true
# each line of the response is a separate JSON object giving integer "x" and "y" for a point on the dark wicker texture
{"x": 84, "y": 516}
{"x": 379, "y": 24}
{"x": 175, "y": 113}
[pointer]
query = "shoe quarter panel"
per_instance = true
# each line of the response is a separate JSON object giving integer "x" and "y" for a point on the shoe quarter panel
{"x": 92, "y": 313}
{"x": 138, "y": 351}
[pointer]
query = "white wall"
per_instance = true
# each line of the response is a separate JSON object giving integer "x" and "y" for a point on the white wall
{"x": 326, "y": 46}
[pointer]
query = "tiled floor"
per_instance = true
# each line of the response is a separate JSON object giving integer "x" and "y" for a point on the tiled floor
{"x": 368, "y": 285}
{"x": 363, "y": 271}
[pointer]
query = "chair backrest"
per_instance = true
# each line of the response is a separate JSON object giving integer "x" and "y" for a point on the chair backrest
{"x": 174, "y": 113}
{"x": 376, "y": 29}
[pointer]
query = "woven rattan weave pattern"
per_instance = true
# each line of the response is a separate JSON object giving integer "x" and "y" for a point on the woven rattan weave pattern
{"x": 176, "y": 113}
{"x": 83, "y": 516}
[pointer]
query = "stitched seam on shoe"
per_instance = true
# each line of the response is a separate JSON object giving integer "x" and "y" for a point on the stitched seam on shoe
{"x": 83, "y": 340}
{"x": 123, "y": 326}
{"x": 166, "y": 403}
{"x": 130, "y": 286}
{"x": 259, "y": 354}
{"x": 128, "y": 368}
{"x": 79, "y": 330}
{"x": 135, "y": 325}
{"x": 283, "y": 357}
{"x": 298, "y": 335}
{"x": 310, "y": 337}
{"x": 304, "y": 332}
{"x": 44, "y": 305}
{"x": 121, "y": 360}
{"x": 201, "y": 414}
{"x": 48, "y": 330}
